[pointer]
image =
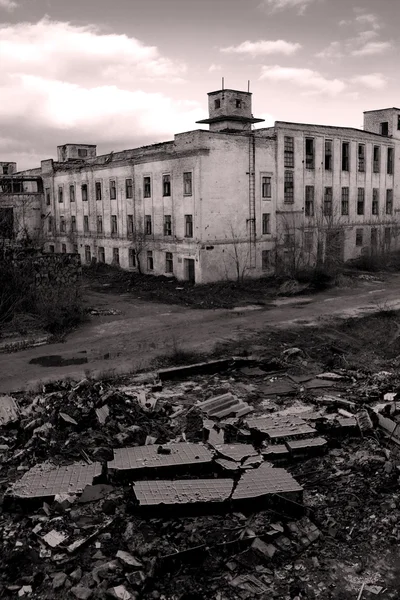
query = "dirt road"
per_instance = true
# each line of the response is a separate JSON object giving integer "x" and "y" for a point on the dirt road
{"x": 131, "y": 340}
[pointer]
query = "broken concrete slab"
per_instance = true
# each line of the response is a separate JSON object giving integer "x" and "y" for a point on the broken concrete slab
{"x": 128, "y": 559}
{"x": 120, "y": 592}
{"x": 236, "y": 452}
{"x": 307, "y": 447}
{"x": 266, "y": 481}
{"x": 224, "y": 405}
{"x": 9, "y": 410}
{"x": 102, "y": 414}
{"x": 275, "y": 452}
{"x": 54, "y": 538}
{"x": 153, "y": 493}
{"x": 279, "y": 428}
{"x": 93, "y": 493}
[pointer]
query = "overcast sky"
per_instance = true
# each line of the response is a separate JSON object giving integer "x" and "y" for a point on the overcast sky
{"x": 123, "y": 73}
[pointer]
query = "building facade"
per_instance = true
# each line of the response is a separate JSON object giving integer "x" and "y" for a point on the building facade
{"x": 229, "y": 202}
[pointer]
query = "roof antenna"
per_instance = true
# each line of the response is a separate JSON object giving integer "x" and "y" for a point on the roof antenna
{"x": 222, "y": 83}
{"x": 248, "y": 86}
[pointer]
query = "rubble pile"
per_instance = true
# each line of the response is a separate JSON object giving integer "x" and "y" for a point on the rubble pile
{"x": 242, "y": 485}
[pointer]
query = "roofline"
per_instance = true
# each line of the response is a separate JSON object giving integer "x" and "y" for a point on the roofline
{"x": 231, "y": 118}
{"x": 80, "y": 144}
{"x": 333, "y": 127}
{"x": 380, "y": 110}
{"x": 229, "y": 90}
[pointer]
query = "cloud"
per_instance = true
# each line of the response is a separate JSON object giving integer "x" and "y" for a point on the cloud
{"x": 369, "y": 19}
{"x": 371, "y": 48}
{"x": 374, "y": 81}
{"x": 363, "y": 44}
{"x": 331, "y": 52}
{"x": 273, "y": 6}
{"x": 312, "y": 81}
{"x": 212, "y": 68}
{"x": 9, "y": 5}
{"x": 263, "y": 47}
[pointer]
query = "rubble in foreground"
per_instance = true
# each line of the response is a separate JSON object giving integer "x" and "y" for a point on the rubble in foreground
{"x": 152, "y": 490}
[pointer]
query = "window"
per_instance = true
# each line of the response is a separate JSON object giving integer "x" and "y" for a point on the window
{"x": 188, "y": 226}
{"x": 289, "y": 152}
{"x": 309, "y": 153}
{"x": 266, "y": 187}
{"x": 73, "y": 224}
{"x": 130, "y": 224}
{"x": 51, "y": 249}
{"x": 328, "y": 202}
{"x": 345, "y": 201}
{"x": 266, "y": 260}
{"x": 289, "y": 187}
{"x": 113, "y": 190}
{"x": 129, "y": 188}
{"x": 48, "y": 197}
{"x": 376, "y": 159}
{"x": 75, "y": 249}
{"x": 98, "y": 190}
{"x": 387, "y": 237}
{"x": 99, "y": 224}
{"x": 150, "y": 262}
{"x": 359, "y": 237}
{"x": 328, "y": 155}
{"x": 360, "y": 201}
{"x": 389, "y": 202}
{"x": 238, "y": 104}
{"x": 166, "y": 185}
{"x": 374, "y": 237}
{"x": 147, "y": 187}
{"x": 375, "y": 201}
{"x": 5, "y": 169}
{"x": 390, "y": 153}
{"x": 217, "y": 103}
{"x": 132, "y": 257}
{"x": 101, "y": 255}
{"x": 345, "y": 156}
{"x": 167, "y": 225}
{"x": 114, "y": 225}
{"x": 88, "y": 255}
{"x": 308, "y": 241}
{"x": 309, "y": 204}
{"x": 266, "y": 224}
{"x": 169, "y": 262}
{"x": 72, "y": 193}
{"x": 115, "y": 256}
{"x": 147, "y": 224}
{"x": 82, "y": 152}
{"x": 62, "y": 224}
{"x": 289, "y": 240}
{"x": 384, "y": 128}
{"x": 64, "y": 248}
{"x": 361, "y": 158}
{"x": 50, "y": 224}
{"x": 84, "y": 189}
{"x": 86, "y": 223}
{"x": 60, "y": 194}
{"x": 398, "y": 121}
{"x": 187, "y": 183}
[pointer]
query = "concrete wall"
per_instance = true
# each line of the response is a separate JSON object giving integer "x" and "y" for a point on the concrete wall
{"x": 27, "y": 212}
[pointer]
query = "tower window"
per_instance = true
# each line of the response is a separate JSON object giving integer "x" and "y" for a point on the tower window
{"x": 384, "y": 128}
{"x": 217, "y": 103}
{"x": 238, "y": 104}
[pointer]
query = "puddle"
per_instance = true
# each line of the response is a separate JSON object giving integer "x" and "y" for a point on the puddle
{"x": 57, "y": 361}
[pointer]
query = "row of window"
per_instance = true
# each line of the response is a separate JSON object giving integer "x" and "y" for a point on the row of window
{"x": 148, "y": 226}
{"x": 345, "y": 156}
{"x": 328, "y": 201}
{"x": 147, "y": 191}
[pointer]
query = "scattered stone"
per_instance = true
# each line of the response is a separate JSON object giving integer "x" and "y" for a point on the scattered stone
{"x": 59, "y": 580}
{"x": 128, "y": 559}
{"x": 81, "y": 592}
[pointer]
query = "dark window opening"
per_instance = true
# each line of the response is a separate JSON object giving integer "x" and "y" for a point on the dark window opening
{"x": 113, "y": 190}
{"x": 266, "y": 223}
{"x": 132, "y": 257}
{"x": 84, "y": 192}
{"x": 361, "y": 158}
{"x": 101, "y": 255}
{"x": 7, "y": 223}
{"x": 116, "y": 256}
{"x": 169, "y": 262}
{"x": 390, "y": 154}
{"x": 146, "y": 187}
{"x": 129, "y": 188}
{"x": 166, "y": 185}
{"x": 60, "y": 194}
{"x": 99, "y": 224}
{"x": 147, "y": 224}
{"x": 188, "y": 226}
{"x": 150, "y": 262}
{"x": 328, "y": 155}
{"x": 389, "y": 202}
{"x": 384, "y": 128}
{"x": 360, "y": 201}
{"x": 376, "y": 159}
{"x": 359, "y": 237}
{"x": 238, "y": 104}
{"x": 266, "y": 187}
{"x": 82, "y": 152}
{"x": 88, "y": 255}
{"x": 114, "y": 225}
{"x": 345, "y": 201}
{"x": 375, "y": 201}
{"x": 73, "y": 224}
{"x": 289, "y": 152}
{"x": 345, "y": 156}
{"x": 309, "y": 153}
{"x": 48, "y": 197}
{"x": 289, "y": 187}
{"x": 72, "y": 193}
{"x": 98, "y": 190}
{"x": 309, "y": 203}
{"x": 187, "y": 183}
{"x": 328, "y": 202}
{"x": 217, "y": 103}
{"x": 85, "y": 223}
{"x": 167, "y": 225}
{"x": 265, "y": 260}
{"x": 130, "y": 224}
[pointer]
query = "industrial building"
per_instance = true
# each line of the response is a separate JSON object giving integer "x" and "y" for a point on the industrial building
{"x": 222, "y": 203}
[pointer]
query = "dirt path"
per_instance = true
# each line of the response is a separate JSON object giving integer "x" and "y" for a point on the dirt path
{"x": 144, "y": 330}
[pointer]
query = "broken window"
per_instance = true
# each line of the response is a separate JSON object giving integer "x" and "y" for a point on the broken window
{"x": 113, "y": 189}
{"x": 187, "y": 183}
{"x": 361, "y": 158}
{"x": 62, "y": 225}
{"x": 49, "y": 225}
{"x": 374, "y": 237}
{"x": 266, "y": 186}
{"x": 217, "y": 103}
{"x": 390, "y": 154}
{"x": 73, "y": 224}
{"x": 85, "y": 223}
{"x": 5, "y": 169}
{"x": 289, "y": 152}
{"x": 384, "y": 127}
{"x": 345, "y": 201}
{"x": 376, "y": 159}
{"x": 360, "y": 201}
{"x": 266, "y": 260}
{"x": 130, "y": 224}
{"x": 150, "y": 263}
{"x": 82, "y": 152}
{"x": 60, "y": 194}
{"x": 308, "y": 241}
{"x": 266, "y": 223}
{"x": 238, "y": 104}
{"x": 115, "y": 256}
{"x": 99, "y": 224}
{"x": 398, "y": 121}
{"x": 167, "y": 225}
{"x": 147, "y": 224}
{"x": 147, "y": 187}
{"x": 98, "y": 190}
{"x": 169, "y": 262}
{"x": 188, "y": 226}
{"x": 375, "y": 201}
{"x": 51, "y": 249}
{"x": 166, "y": 185}
{"x": 6, "y": 223}
{"x": 328, "y": 202}
{"x": 388, "y": 237}
{"x": 114, "y": 225}
{"x": 84, "y": 190}
{"x": 64, "y": 248}
{"x": 48, "y": 197}
{"x": 309, "y": 153}
{"x": 132, "y": 257}
{"x": 88, "y": 255}
{"x": 389, "y": 202}
{"x": 129, "y": 188}
{"x": 309, "y": 203}
{"x": 289, "y": 187}
{"x": 101, "y": 255}
{"x": 345, "y": 156}
{"x": 72, "y": 193}
{"x": 359, "y": 237}
{"x": 75, "y": 249}
{"x": 328, "y": 155}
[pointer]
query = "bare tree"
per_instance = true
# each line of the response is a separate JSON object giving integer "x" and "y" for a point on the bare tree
{"x": 237, "y": 253}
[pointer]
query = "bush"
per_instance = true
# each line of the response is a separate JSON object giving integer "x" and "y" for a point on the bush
{"x": 59, "y": 310}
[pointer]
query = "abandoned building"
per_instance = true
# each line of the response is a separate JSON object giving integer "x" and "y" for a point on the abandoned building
{"x": 219, "y": 203}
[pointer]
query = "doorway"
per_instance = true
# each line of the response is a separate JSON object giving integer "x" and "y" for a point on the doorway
{"x": 189, "y": 270}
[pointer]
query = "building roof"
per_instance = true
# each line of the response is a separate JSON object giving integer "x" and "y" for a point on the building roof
{"x": 231, "y": 118}
{"x": 229, "y": 90}
{"x": 380, "y": 109}
{"x": 277, "y": 123}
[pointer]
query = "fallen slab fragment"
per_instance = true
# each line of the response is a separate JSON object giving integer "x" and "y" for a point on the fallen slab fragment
{"x": 279, "y": 428}
{"x": 236, "y": 452}
{"x": 212, "y": 366}
{"x": 102, "y": 414}
{"x": 9, "y": 411}
{"x": 308, "y": 447}
{"x": 276, "y": 452}
{"x": 158, "y": 457}
{"x": 46, "y": 480}
{"x": 266, "y": 481}
{"x": 224, "y": 405}
{"x": 153, "y": 493}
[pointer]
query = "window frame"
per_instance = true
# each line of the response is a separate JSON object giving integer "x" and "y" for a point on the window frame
{"x": 131, "y": 258}
{"x": 98, "y": 190}
{"x": 113, "y": 189}
{"x": 72, "y": 192}
{"x": 167, "y": 221}
{"x": 130, "y": 228}
{"x": 375, "y": 202}
{"x": 345, "y": 162}
{"x": 309, "y": 199}
{"x": 361, "y": 158}
{"x": 166, "y": 185}
{"x": 101, "y": 254}
{"x": 360, "y": 201}
{"x": 328, "y": 201}
{"x": 114, "y": 221}
{"x": 88, "y": 252}
{"x": 288, "y": 152}
{"x": 86, "y": 224}
{"x": 188, "y": 183}
{"x": 309, "y": 154}
{"x": 266, "y": 259}
{"x": 61, "y": 194}
{"x": 150, "y": 260}
{"x": 129, "y": 188}
{"x": 376, "y": 159}
{"x": 389, "y": 202}
{"x": 48, "y": 196}
{"x": 148, "y": 225}
{"x": 266, "y": 187}
{"x": 84, "y": 192}
{"x": 169, "y": 262}
{"x": 266, "y": 224}
{"x": 99, "y": 224}
{"x": 328, "y": 156}
{"x": 146, "y": 186}
{"x": 345, "y": 201}
{"x": 115, "y": 258}
{"x": 188, "y": 226}
{"x": 359, "y": 237}
{"x": 288, "y": 192}
{"x": 390, "y": 160}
